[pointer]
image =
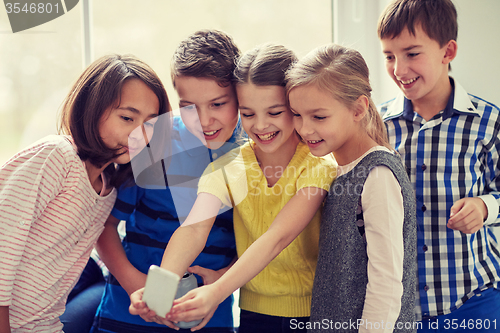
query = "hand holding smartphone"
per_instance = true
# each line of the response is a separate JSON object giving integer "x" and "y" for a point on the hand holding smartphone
{"x": 159, "y": 292}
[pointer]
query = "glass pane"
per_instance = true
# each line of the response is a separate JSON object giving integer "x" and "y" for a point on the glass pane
{"x": 37, "y": 68}
{"x": 153, "y": 29}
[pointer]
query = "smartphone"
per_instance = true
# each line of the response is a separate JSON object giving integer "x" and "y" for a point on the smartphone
{"x": 159, "y": 292}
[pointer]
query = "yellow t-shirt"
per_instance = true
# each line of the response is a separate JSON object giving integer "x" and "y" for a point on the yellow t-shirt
{"x": 284, "y": 287}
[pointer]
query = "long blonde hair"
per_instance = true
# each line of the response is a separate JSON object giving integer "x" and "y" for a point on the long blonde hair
{"x": 343, "y": 73}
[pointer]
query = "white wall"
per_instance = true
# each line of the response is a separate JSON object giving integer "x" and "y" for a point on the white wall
{"x": 476, "y": 65}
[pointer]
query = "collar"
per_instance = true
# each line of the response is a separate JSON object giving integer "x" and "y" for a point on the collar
{"x": 458, "y": 104}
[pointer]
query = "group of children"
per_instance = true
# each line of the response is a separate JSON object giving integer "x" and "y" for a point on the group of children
{"x": 328, "y": 214}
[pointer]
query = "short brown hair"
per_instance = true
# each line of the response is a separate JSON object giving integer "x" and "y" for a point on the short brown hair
{"x": 96, "y": 90}
{"x": 265, "y": 65}
{"x": 210, "y": 54}
{"x": 438, "y": 19}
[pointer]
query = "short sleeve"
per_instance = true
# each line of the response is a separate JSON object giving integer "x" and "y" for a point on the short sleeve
{"x": 213, "y": 182}
{"x": 317, "y": 172}
{"x": 226, "y": 179}
{"x": 28, "y": 182}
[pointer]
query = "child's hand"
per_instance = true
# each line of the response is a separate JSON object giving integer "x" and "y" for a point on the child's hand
{"x": 209, "y": 276}
{"x": 199, "y": 303}
{"x": 468, "y": 215}
{"x": 138, "y": 307}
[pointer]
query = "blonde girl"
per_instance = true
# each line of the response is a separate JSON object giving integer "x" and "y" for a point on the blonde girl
{"x": 367, "y": 254}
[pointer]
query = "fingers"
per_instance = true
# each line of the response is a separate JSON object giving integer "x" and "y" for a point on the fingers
{"x": 186, "y": 316}
{"x": 209, "y": 276}
{"x": 137, "y": 306}
{"x": 467, "y": 226}
{"x": 203, "y": 322}
{"x": 467, "y": 215}
{"x": 457, "y": 206}
{"x": 198, "y": 270}
{"x": 181, "y": 308}
{"x": 136, "y": 296}
{"x": 188, "y": 309}
{"x": 168, "y": 323}
{"x": 149, "y": 316}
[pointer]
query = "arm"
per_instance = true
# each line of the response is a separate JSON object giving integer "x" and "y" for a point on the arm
{"x": 288, "y": 224}
{"x": 470, "y": 214}
{"x": 111, "y": 252}
{"x": 28, "y": 182}
{"x": 4, "y": 319}
{"x": 383, "y": 215}
{"x": 184, "y": 246}
{"x": 189, "y": 240}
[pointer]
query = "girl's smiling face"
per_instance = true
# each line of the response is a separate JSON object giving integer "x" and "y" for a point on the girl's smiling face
{"x": 129, "y": 126}
{"x": 324, "y": 123}
{"x": 265, "y": 116}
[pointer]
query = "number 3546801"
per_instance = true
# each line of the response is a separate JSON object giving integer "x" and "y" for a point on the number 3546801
{"x": 470, "y": 324}
{"x": 31, "y": 8}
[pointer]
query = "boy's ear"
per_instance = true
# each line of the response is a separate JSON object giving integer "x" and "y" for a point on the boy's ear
{"x": 361, "y": 107}
{"x": 450, "y": 51}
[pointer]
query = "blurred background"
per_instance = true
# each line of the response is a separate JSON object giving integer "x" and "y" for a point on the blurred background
{"x": 39, "y": 65}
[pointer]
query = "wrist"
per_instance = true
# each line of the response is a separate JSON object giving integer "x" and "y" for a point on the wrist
{"x": 219, "y": 292}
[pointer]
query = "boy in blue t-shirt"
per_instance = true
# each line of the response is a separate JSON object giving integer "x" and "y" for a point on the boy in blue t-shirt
{"x": 154, "y": 207}
{"x": 450, "y": 144}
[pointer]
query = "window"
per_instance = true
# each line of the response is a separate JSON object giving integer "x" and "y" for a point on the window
{"x": 39, "y": 65}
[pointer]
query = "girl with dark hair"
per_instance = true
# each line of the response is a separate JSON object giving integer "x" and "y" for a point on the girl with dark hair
{"x": 56, "y": 194}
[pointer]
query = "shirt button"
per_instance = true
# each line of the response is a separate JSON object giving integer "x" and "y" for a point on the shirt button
{"x": 426, "y": 288}
{"x": 22, "y": 223}
{"x": 214, "y": 155}
{"x": 423, "y": 208}
{"x": 424, "y": 167}
{"x": 424, "y": 248}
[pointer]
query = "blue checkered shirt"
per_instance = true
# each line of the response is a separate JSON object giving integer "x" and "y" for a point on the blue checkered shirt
{"x": 451, "y": 156}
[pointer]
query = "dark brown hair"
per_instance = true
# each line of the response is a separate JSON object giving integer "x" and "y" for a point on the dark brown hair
{"x": 265, "y": 65}
{"x": 438, "y": 19}
{"x": 96, "y": 90}
{"x": 210, "y": 54}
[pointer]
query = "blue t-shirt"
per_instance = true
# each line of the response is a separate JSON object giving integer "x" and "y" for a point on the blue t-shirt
{"x": 153, "y": 212}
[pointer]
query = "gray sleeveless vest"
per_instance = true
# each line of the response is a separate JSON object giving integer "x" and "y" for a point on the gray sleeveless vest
{"x": 341, "y": 273}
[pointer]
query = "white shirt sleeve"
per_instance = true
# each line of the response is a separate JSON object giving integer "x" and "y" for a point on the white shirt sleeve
{"x": 492, "y": 208}
{"x": 383, "y": 214}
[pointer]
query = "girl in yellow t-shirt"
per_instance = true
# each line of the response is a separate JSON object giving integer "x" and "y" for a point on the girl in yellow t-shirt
{"x": 276, "y": 187}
